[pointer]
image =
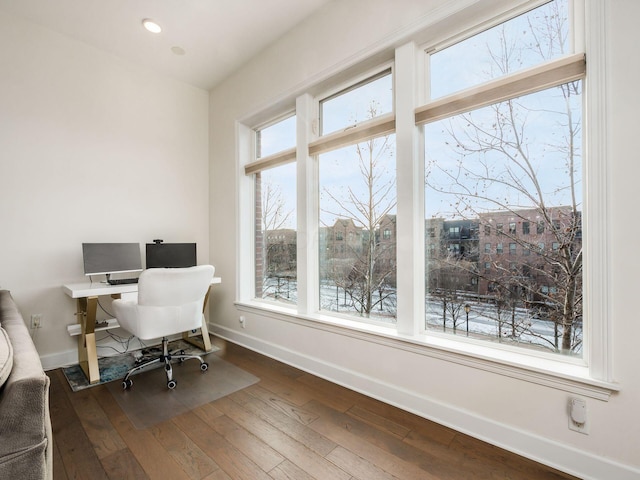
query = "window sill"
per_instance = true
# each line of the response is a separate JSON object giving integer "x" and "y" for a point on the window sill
{"x": 561, "y": 375}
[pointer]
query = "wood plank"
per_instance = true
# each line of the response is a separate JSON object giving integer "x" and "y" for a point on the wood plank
{"x": 143, "y": 445}
{"x": 501, "y": 462}
{"x": 305, "y": 458}
{"x": 208, "y": 412}
{"x": 289, "y": 409}
{"x": 289, "y": 471}
{"x": 273, "y": 366}
{"x": 286, "y": 424}
{"x": 378, "y": 421}
{"x": 337, "y": 427}
{"x": 104, "y": 438}
{"x": 424, "y": 435}
{"x": 184, "y": 451}
{"x": 123, "y": 465}
{"x": 280, "y": 382}
{"x": 218, "y": 475}
{"x": 259, "y": 452}
{"x": 287, "y": 389}
{"x": 231, "y": 460}
{"x": 273, "y": 376}
{"x": 419, "y": 427}
{"x": 336, "y": 396}
{"x": 76, "y": 451}
{"x": 59, "y": 472}
{"x": 358, "y": 466}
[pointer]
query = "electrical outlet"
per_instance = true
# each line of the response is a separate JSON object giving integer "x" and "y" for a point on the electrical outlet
{"x": 578, "y": 415}
{"x": 36, "y": 320}
{"x": 243, "y": 321}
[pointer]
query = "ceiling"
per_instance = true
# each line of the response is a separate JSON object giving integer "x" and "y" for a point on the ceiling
{"x": 212, "y": 38}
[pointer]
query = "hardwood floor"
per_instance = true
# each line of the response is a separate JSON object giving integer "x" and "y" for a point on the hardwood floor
{"x": 289, "y": 426}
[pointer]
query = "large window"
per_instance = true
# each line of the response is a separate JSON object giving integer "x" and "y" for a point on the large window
{"x": 275, "y": 213}
{"x": 508, "y": 163}
{"x": 357, "y": 187}
{"x": 445, "y": 208}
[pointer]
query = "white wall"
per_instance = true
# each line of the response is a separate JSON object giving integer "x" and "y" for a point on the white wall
{"x": 92, "y": 149}
{"x": 527, "y": 418}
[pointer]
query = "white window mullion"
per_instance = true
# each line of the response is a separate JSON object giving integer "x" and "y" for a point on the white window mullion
{"x": 245, "y": 208}
{"x": 598, "y": 316}
{"x": 410, "y": 167}
{"x": 307, "y": 206}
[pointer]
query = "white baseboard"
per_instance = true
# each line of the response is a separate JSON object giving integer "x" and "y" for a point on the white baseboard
{"x": 106, "y": 348}
{"x": 534, "y": 447}
{"x": 59, "y": 360}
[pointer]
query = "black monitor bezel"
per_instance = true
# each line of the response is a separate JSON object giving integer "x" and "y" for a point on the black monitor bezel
{"x": 186, "y": 258}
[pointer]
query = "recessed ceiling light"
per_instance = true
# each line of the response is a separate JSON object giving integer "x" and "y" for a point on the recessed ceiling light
{"x": 178, "y": 50}
{"x": 152, "y": 26}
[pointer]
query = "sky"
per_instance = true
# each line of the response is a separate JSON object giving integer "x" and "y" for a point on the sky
{"x": 452, "y": 69}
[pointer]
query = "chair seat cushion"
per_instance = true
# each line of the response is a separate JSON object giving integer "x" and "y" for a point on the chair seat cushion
{"x": 6, "y": 356}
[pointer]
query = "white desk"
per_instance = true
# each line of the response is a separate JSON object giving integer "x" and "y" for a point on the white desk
{"x": 86, "y": 295}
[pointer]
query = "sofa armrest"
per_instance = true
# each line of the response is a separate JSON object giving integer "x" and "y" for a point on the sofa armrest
{"x": 25, "y": 422}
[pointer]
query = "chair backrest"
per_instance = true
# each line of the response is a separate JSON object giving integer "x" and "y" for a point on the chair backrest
{"x": 174, "y": 286}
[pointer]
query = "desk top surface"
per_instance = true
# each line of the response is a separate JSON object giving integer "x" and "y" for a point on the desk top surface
{"x": 95, "y": 289}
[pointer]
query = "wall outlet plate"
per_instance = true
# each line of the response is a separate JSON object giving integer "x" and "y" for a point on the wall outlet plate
{"x": 578, "y": 415}
{"x": 36, "y": 320}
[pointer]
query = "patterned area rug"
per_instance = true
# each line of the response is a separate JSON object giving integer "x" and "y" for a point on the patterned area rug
{"x": 116, "y": 367}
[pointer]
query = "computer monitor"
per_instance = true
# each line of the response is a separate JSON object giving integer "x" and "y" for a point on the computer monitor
{"x": 171, "y": 255}
{"x": 108, "y": 258}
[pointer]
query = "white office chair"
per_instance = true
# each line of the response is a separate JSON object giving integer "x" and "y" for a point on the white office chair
{"x": 170, "y": 301}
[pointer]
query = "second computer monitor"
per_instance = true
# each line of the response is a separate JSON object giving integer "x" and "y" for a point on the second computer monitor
{"x": 108, "y": 258}
{"x": 171, "y": 255}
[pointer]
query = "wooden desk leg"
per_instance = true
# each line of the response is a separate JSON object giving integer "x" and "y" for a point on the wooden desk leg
{"x": 206, "y": 341}
{"x": 87, "y": 350}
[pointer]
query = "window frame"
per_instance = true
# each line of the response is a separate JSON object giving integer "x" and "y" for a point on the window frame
{"x": 592, "y": 377}
{"x": 362, "y": 131}
{"x": 546, "y": 75}
{"x": 255, "y": 166}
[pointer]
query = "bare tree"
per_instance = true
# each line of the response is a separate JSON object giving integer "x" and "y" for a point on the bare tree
{"x": 367, "y": 204}
{"x": 448, "y": 283}
{"x": 278, "y": 242}
{"x": 504, "y": 166}
{"x": 274, "y": 210}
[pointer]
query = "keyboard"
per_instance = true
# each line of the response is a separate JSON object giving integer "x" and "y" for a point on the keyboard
{"x": 122, "y": 281}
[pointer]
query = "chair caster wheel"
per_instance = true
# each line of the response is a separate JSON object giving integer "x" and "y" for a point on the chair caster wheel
{"x": 171, "y": 384}
{"x": 126, "y": 384}
{"x": 204, "y": 366}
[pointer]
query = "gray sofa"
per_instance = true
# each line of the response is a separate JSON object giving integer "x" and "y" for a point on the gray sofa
{"x": 25, "y": 424}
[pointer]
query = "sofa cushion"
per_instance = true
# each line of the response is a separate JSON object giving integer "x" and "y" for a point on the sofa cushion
{"x": 6, "y": 356}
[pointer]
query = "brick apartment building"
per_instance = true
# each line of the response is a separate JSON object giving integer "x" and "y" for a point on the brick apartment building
{"x": 472, "y": 255}
{"x": 451, "y": 255}
{"x": 344, "y": 244}
{"x": 523, "y": 245}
